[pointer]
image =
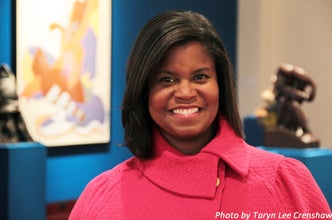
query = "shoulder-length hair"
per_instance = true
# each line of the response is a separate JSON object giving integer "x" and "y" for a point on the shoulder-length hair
{"x": 158, "y": 35}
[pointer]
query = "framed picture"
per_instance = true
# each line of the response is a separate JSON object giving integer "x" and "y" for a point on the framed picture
{"x": 63, "y": 70}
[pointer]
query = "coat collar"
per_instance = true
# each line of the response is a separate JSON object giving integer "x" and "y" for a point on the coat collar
{"x": 230, "y": 148}
{"x": 196, "y": 175}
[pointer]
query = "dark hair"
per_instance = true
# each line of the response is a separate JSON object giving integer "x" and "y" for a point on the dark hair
{"x": 158, "y": 35}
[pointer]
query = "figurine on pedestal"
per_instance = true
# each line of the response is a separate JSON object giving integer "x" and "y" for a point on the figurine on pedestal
{"x": 284, "y": 121}
{"x": 12, "y": 125}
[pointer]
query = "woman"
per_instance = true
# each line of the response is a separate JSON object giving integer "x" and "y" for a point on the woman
{"x": 182, "y": 124}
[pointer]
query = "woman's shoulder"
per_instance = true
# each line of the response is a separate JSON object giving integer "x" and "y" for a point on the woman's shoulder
{"x": 273, "y": 164}
{"x": 102, "y": 192}
{"x": 259, "y": 157}
{"x": 112, "y": 177}
{"x": 262, "y": 157}
{"x": 290, "y": 180}
{"x": 108, "y": 181}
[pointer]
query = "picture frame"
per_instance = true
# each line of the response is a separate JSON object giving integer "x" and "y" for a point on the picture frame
{"x": 63, "y": 70}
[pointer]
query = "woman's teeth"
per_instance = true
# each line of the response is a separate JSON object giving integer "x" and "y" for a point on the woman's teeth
{"x": 185, "y": 111}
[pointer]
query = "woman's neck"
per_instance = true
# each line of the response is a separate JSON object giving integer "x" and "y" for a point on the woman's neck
{"x": 190, "y": 145}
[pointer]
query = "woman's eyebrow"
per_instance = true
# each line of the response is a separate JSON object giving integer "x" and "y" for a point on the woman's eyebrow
{"x": 166, "y": 72}
{"x": 202, "y": 69}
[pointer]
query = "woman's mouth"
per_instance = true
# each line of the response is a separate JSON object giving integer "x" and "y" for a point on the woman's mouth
{"x": 185, "y": 111}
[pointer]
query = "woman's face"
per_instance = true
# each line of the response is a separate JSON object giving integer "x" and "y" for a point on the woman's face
{"x": 184, "y": 97}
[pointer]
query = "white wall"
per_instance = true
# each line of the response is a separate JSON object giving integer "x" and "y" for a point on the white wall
{"x": 298, "y": 32}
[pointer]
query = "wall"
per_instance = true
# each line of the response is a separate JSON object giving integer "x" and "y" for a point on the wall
{"x": 68, "y": 169}
{"x": 279, "y": 31}
{"x": 5, "y": 36}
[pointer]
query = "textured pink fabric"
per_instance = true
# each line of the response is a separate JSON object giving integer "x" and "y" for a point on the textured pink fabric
{"x": 253, "y": 184}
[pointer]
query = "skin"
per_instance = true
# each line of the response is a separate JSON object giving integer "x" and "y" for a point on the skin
{"x": 184, "y": 97}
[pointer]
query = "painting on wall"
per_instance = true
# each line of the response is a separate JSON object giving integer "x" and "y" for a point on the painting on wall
{"x": 63, "y": 69}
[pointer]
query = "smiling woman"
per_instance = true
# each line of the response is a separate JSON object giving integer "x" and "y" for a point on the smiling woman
{"x": 194, "y": 43}
{"x": 182, "y": 124}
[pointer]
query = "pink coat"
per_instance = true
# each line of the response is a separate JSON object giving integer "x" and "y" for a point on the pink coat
{"x": 228, "y": 179}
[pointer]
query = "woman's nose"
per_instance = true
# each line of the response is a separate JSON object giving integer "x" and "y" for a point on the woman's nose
{"x": 185, "y": 90}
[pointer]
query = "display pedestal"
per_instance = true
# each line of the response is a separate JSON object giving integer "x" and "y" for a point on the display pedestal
{"x": 22, "y": 181}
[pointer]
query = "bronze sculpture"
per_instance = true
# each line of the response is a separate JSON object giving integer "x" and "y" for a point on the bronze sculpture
{"x": 284, "y": 121}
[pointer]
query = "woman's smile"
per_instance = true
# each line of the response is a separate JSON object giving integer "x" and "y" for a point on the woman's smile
{"x": 186, "y": 111}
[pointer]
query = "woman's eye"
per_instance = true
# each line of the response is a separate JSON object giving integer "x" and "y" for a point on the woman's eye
{"x": 201, "y": 77}
{"x": 166, "y": 80}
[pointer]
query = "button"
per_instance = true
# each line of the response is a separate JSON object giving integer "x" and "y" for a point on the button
{"x": 217, "y": 182}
